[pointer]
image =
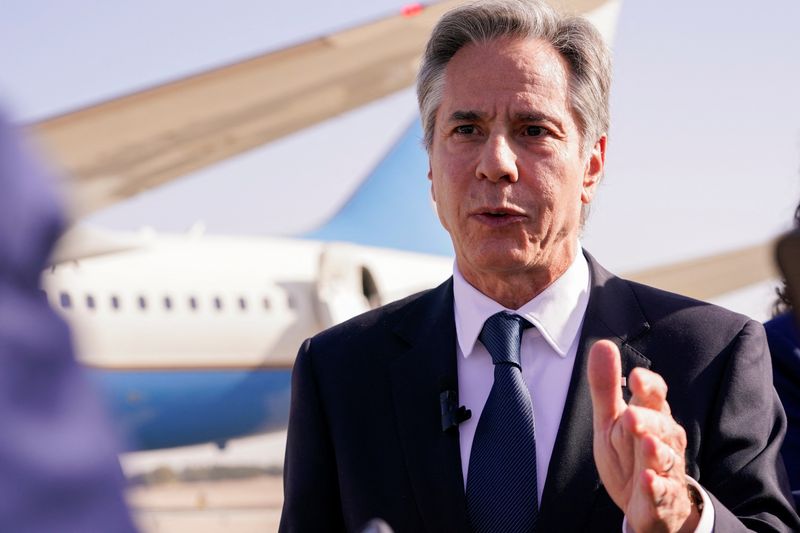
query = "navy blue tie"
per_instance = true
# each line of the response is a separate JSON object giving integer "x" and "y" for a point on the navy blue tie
{"x": 501, "y": 479}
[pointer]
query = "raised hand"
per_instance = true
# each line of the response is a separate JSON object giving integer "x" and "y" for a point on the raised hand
{"x": 638, "y": 447}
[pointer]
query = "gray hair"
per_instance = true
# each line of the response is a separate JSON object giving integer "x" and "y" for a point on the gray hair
{"x": 578, "y": 42}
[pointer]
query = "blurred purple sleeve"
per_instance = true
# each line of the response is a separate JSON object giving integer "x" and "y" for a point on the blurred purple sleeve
{"x": 58, "y": 464}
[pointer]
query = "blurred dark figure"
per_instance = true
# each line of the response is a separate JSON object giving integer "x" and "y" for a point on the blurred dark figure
{"x": 58, "y": 464}
{"x": 784, "y": 345}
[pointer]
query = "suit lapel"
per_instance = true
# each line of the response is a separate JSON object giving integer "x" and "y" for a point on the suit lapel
{"x": 418, "y": 376}
{"x": 572, "y": 479}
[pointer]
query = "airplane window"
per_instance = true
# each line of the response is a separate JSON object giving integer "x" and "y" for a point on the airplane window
{"x": 242, "y": 304}
{"x": 167, "y": 302}
{"x": 90, "y": 301}
{"x": 218, "y": 302}
{"x": 193, "y": 302}
{"x": 142, "y": 302}
{"x": 66, "y": 301}
{"x": 266, "y": 303}
{"x": 115, "y": 302}
{"x": 290, "y": 301}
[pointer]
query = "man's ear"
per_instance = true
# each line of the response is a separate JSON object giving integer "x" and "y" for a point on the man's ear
{"x": 430, "y": 178}
{"x": 595, "y": 167}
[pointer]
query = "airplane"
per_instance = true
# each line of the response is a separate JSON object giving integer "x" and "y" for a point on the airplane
{"x": 191, "y": 337}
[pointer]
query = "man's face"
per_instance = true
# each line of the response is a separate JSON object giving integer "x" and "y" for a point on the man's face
{"x": 506, "y": 167}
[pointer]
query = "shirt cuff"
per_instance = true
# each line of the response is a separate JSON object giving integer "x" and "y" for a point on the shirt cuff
{"x": 706, "y": 523}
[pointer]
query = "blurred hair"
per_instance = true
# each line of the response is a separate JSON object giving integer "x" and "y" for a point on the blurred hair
{"x": 783, "y": 304}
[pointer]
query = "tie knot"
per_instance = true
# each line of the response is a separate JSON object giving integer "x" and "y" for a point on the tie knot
{"x": 501, "y": 334}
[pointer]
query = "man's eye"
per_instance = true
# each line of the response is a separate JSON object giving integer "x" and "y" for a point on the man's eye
{"x": 535, "y": 131}
{"x": 465, "y": 130}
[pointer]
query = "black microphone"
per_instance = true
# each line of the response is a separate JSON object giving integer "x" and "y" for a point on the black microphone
{"x": 452, "y": 414}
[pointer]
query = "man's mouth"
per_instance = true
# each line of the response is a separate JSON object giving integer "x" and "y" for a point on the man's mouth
{"x": 499, "y": 215}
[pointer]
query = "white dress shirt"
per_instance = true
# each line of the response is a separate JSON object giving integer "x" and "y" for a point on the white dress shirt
{"x": 547, "y": 357}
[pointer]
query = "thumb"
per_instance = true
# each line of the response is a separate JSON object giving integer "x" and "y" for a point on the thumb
{"x": 605, "y": 383}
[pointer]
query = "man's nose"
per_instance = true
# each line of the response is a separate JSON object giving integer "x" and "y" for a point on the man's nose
{"x": 497, "y": 160}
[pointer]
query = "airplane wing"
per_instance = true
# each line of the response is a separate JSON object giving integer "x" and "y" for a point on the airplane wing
{"x": 712, "y": 276}
{"x": 116, "y": 149}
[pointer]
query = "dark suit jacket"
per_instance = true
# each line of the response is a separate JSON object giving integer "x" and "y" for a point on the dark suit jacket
{"x": 784, "y": 345}
{"x": 365, "y": 437}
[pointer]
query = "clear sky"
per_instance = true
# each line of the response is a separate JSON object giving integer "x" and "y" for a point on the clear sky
{"x": 704, "y": 153}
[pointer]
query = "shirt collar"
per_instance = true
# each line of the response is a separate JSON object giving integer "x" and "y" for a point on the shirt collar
{"x": 557, "y": 312}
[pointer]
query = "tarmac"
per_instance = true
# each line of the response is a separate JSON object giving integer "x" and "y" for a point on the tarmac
{"x": 167, "y": 504}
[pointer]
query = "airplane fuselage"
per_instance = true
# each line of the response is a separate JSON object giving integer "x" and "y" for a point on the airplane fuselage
{"x": 192, "y": 338}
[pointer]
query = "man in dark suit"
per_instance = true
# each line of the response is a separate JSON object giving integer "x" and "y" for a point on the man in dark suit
{"x": 531, "y": 335}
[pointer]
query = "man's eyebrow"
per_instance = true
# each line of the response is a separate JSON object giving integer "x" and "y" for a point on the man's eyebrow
{"x": 458, "y": 116}
{"x": 540, "y": 117}
{"x": 534, "y": 116}
{"x": 528, "y": 116}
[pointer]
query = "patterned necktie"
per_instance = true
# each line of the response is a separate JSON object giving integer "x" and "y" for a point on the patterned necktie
{"x": 501, "y": 480}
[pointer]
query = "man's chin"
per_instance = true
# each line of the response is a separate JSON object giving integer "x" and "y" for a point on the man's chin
{"x": 505, "y": 260}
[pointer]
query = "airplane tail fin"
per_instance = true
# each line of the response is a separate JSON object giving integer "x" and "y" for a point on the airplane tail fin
{"x": 392, "y": 208}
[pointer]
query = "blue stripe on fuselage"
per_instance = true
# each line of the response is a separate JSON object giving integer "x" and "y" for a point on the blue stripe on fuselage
{"x": 392, "y": 208}
{"x": 166, "y": 408}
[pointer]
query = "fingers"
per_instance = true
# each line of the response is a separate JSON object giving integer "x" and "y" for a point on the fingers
{"x": 605, "y": 383}
{"x": 664, "y": 494}
{"x": 660, "y": 499}
{"x": 663, "y": 501}
{"x": 649, "y": 390}
{"x": 660, "y": 457}
{"x": 641, "y": 421}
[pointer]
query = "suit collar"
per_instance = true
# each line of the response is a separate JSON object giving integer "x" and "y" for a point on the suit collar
{"x": 613, "y": 313}
{"x": 615, "y": 305}
{"x": 418, "y": 377}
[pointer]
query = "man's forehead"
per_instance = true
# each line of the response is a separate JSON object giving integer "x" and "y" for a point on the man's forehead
{"x": 535, "y": 57}
{"x": 519, "y": 73}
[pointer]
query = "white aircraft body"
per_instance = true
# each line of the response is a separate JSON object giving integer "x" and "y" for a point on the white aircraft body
{"x": 192, "y": 338}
